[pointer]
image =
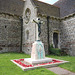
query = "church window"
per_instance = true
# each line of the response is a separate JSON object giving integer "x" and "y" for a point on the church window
{"x": 27, "y": 15}
{"x": 5, "y": 26}
{"x": 27, "y": 34}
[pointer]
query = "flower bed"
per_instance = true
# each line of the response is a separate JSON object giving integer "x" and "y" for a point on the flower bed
{"x": 19, "y": 61}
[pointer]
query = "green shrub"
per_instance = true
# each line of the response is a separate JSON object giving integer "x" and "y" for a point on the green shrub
{"x": 55, "y": 51}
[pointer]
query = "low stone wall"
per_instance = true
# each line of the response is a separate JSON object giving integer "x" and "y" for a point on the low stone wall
{"x": 10, "y": 33}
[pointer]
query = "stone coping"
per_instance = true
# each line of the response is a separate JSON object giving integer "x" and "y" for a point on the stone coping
{"x": 38, "y": 61}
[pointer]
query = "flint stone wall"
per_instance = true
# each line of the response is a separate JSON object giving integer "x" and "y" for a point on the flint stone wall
{"x": 10, "y": 33}
{"x": 44, "y": 35}
{"x": 54, "y": 26}
{"x": 67, "y": 35}
{"x": 30, "y": 27}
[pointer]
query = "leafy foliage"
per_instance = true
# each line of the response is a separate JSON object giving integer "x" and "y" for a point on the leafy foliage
{"x": 55, "y": 51}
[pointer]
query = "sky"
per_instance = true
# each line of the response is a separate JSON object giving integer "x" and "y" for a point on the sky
{"x": 49, "y": 1}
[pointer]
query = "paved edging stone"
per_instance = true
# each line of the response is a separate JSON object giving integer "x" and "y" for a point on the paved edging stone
{"x": 60, "y": 71}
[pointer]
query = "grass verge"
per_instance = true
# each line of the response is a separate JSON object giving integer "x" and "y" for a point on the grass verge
{"x": 9, "y": 68}
{"x": 69, "y": 66}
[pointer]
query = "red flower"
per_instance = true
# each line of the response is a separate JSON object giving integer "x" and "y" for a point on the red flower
{"x": 21, "y": 59}
{"x": 22, "y": 64}
{"x": 55, "y": 61}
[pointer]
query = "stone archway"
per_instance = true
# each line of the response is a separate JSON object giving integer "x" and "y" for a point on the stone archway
{"x": 55, "y": 39}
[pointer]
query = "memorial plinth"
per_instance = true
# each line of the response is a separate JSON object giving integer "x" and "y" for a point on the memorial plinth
{"x": 37, "y": 59}
{"x": 37, "y": 54}
{"x": 37, "y": 50}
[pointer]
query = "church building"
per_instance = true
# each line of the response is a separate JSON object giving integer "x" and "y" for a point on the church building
{"x": 18, "y": 31}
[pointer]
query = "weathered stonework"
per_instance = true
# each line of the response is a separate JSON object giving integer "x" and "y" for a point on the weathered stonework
{"x": 44, "y": 35}
{"x": 15, "y": 36}
{"x": 10, "y": 33}
{"x": 30, "y": 27}
{"x": 54, "y": 26}
{"x": 67, "y": 35}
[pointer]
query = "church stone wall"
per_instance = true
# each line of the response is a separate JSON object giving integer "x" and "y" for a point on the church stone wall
{"x": 10, "y": 33}
{"x": 54, "y": 26}
{"x": 67, "y": 35}
{"x": 29, "y": 27}
{"x": 44, "y": 36}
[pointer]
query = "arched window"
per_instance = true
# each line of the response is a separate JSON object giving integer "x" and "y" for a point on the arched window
{"x": 27, "y": 34}
{"x": 27, "y": 15}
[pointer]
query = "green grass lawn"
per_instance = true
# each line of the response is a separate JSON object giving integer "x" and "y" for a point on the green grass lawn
{"x": 69, "y": 66}
{"x": 9, "y": 68}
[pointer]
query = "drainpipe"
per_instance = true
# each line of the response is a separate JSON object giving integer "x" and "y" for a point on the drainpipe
{"x": 21, "y": 20}
{"x": 48, "y": 34}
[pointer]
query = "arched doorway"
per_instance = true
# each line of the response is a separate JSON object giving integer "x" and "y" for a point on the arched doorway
{"x": 55, "y": 39}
